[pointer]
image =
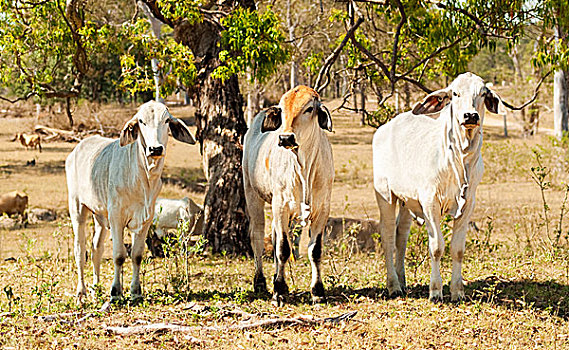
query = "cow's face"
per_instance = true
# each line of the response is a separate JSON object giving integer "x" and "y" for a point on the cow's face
{"x": 150, "y": 127}
{"x": 466, "y": 97}
{"x": 297, "y": 115}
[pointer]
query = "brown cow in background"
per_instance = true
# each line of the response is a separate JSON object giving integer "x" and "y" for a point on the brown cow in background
{"x": 14, "y": 202}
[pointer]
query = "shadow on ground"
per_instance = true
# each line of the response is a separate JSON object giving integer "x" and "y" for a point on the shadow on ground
{"x": 548, "y": 296}
{"x": 33, "y": 166}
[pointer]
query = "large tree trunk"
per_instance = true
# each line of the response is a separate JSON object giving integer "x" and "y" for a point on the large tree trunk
{"x": 221, "y": 126}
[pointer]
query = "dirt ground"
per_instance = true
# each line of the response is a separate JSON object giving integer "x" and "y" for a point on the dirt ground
{"x": 517, "y": 275}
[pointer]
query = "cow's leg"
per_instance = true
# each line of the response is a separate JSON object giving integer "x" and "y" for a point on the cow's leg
{"x": 119, "y": 256}
{"x": 457, "y": 251}
{"x": 78, "y": 214}
{"x": 387, "y": 226}
{"x": 137, "y": 253}
{"x": 256, "y": 213}
{"x": 281, "y": 251}
{"x": 101, "y": 233}
{"x": 404, "y": 221}
{"x": 436, "y": 250}
{"x": 315, "y": 255}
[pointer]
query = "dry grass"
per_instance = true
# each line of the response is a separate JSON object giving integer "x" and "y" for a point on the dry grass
{"x": 517, "y": 279}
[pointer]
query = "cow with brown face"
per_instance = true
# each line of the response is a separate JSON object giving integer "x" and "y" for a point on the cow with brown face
{"x": 287, "y": 162}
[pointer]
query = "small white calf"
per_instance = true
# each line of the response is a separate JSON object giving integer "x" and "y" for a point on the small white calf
{"x": 287, "y": 161}
{"x": 168, "y": 213}
{"x": 118, "y": 182}
{"x": 428, "y": 163}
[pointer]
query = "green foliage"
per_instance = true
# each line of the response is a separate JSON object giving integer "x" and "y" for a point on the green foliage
{"x": 251, "y": 41}
{"x": 37, "y": 47}
{"x": 552, "y": 53}
{"x": 314, "y": 62}
{"x": 176, "y": 10}
{"x": 40, "y": 54}
{"x": 382, "y": 115}
{"x": 175, "y": 61}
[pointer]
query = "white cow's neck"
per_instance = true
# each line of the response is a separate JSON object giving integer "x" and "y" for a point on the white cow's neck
{"x": 152, "y": 168}
{"x": 456, "y": 145}
{"x": 306, "y": 154}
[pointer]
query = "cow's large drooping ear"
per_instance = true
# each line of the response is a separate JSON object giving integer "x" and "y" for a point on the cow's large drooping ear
{"x": 324, "y": 118}
{"x": 272, "y": 120}
{"x": 129, "y": 132}
{"x": 180, "y": 131}
{"x": 492, "y": 101}
{"x": 433, "y": 103}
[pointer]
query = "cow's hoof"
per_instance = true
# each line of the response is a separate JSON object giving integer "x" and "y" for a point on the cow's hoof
{"x": 318, "y": 293}
{"x": 136, "y": 299}
{"x": 116, "y": 299}
{"x": 399, "y": 293}
{"x": 280, "y": 287}
{"x": 278, "y": 300}
{"x": 260, "y": 285}
{"x": 81, "y": 293}
{"x": 436, "y": 298}
{"x": 136, "y": 290}
{"x": 457, "y": 298}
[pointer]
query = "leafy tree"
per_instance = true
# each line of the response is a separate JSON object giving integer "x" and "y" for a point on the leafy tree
{"x": 48, "y": 50}
{"x": 394, "y": 42}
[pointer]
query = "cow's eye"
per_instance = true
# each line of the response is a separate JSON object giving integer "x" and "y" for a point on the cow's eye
{"x": 141, "y": 122}
{"x": 167, "y": 121}
{"x": 454, "y": 94}
{"x": 309, "y": 110}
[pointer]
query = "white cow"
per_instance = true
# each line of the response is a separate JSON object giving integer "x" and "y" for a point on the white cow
{"x": 287, "y": 161}
{"x": 169, "y": 212}
{"x": 118, "y": 182}
{"x": 428, "y": 163}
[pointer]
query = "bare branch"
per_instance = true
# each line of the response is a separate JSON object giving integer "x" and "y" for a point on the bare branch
{"x": 396, "y": 42}
{"x": 535, "y": 93}
{"x": 371, "y": 56}
{"x": 22, "y": 98}
{"x": 325, "y": 70}
{"x": 416, "y": 83}
{"x": 270, "y": 322}
{"x": 435, "y": 53}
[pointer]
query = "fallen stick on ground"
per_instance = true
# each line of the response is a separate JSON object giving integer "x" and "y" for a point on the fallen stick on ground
{"x": 52, "y": 133}
{"x": 49, "y": 318}
{"x": 286, "y": 321}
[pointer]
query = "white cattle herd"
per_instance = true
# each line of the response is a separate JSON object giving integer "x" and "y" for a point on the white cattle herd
{"x": 426, "y": 164}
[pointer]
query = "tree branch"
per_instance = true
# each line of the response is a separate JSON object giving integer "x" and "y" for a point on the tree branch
{"x": 325, "y": 70}
{"x": 532, "y": 99}
{"x": 435, "y": 53}
{"x": 416, "y": 83}
{"x": 153, "y": 6}
{"x": 478, "y": 21}
{"x": 21, "y": 98}
{"x": 371, "y": 57}
{"x": 396, "y": 42}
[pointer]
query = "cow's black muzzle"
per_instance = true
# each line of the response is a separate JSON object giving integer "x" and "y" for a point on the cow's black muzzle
{"x": 471, "y": 120}
{"x": 287, "y": 141}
